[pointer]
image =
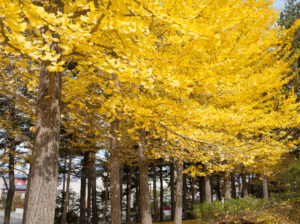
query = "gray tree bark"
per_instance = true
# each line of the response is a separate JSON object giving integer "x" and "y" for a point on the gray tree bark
{"x": 172, "y": 186}
{"x": 11, "y": 189}
{"x": 84, "y": 170}
{"x": 95, "y": 218}
{"x": 67, "y": 197}
{"x": 105, "y": 199}
{"x": 179, "y": 189}
{"x": 144, "y": 185}
{"x": 154, "y": 194}
{"x": 244, "y": 186}
{"x": 161, "y": 203}
{"x": 128, "y": 213}
{"x": 184, "y": 196}
{"x": 89, "y": 190}
{"x": 227, "y": 186}
{"x": 207, "y": 189}
{"x": 41, "y": 198}
{"x": 265, "y": 187}
{"x": 233, "y": 187}
{"x": 115, "y": 175}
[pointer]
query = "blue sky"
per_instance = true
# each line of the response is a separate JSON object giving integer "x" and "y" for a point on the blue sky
{"x": 279, "y": 4}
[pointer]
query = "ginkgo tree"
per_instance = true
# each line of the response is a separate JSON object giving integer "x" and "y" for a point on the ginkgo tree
{"x": 207, "y": 73}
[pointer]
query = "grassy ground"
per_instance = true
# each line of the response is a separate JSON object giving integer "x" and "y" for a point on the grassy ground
{"x": 184, "y": 222}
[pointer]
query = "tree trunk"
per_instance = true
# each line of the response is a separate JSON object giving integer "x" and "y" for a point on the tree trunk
{"x": 161, "y": 206}
{"x": 115, "y": 175}
{"x": 227, "y": 186}
{"x": 83, "y": 188}
{"x": 154, "y": 193}
{"x": 128, "y": 213}
{"x": 121, "y": 191}
{"x": 233, "y": 187}
{"x": 219, "y": 194}
{"x": 144, "y": 185}
{"x": 67, "y": 195}
{"x": 95, "y": 218}
{"x": 11, "y": 190}
{"x": 172, "y": 191}
{"x": 26, "y": 195}
{"x": 184, "y": 196}
{"x": 207, "y": 189}
{"x": 212, "y": 188}
{"x": 244, "y": 186}
{"x": 41, "y": 199}
{"x": 193, "y": 191}
{"x": 179, "y": 191}
{"x": 137, "y": 197}
{"x": 89, "y": 190}
{"x": 265, "y": 187}
{"x": 64, "y": 173}
{"x": 105, "y": 199}
{"x": 201, "y": 189}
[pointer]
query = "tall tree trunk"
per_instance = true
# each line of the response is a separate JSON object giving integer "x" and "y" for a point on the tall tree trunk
{"x": 121, "y": 191}
{"x": 227, "y": 186}
{"x": 172, "y": 191}
{"x": 207, "y": 188}
{"x": 89, "y": 190}
{"x": 154, "y": 193}
{"x": 144, "y": 185}
{"x": 184, "y": 196}
{"x": 67, "y": 195}
{"x": 179, "y": 191}
{"x": 265, "y": 187}
{"x": 26, "y": 195}
{"x": 41, "y": 198}
{"x": 161, "y": 204}
{"x": 193, "y": 191}
{"x": 95, "y": 218}
{"x": 11, "y": 190}
{"x": 128, "y": 213}
{"x": 83, "y": 188}
{"x": 105, "y": 199}
{"x": 115, "y": 175}
{"x": 212, "y": 187}
{"x": 233, "y": 187}
{"x": 43, "y": 180}
{"x": 219, "y": 194}
{"x": 244, "y": 186}
{"x": 201, "y": 189}
{"x": 64, "y": 174}
{"x": 137, "y": 197}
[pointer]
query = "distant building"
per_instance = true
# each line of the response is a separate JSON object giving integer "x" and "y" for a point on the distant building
{"x": 21, "y": 181}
